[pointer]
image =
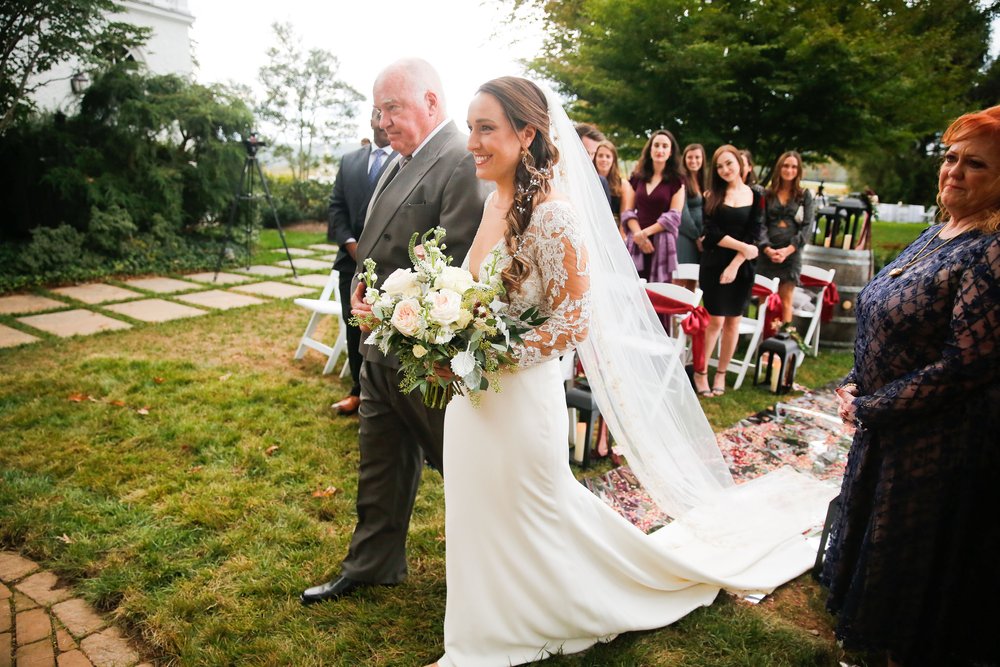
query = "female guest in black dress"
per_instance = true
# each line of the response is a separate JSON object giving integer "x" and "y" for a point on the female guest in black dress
{"x": 733, "y": 224}
{"x": 788, "y": 218}
{"x": 912, "y": 562}
{"x": 693, "y": 170}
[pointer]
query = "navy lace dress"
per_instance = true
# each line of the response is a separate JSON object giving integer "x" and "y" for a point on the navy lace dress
{"x": 913, "y": 558}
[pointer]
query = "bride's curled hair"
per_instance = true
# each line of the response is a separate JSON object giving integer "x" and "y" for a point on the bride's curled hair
{"x": 524, "y": 104}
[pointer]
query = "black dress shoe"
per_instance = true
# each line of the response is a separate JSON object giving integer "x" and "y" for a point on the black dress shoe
{"x": 331, "y": 590}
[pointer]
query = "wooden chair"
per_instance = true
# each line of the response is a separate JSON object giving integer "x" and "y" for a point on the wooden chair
{"x": 814, "y": 316}
{"x": 326, "y": 304}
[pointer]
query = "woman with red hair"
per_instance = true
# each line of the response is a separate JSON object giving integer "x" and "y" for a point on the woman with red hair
{"x": 912, "y": 558}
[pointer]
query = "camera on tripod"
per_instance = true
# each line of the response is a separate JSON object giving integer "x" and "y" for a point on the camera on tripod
{"x": 252, "y": 143}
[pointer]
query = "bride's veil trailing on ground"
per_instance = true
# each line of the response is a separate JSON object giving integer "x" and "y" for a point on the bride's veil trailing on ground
{"x": 637, "y": 375}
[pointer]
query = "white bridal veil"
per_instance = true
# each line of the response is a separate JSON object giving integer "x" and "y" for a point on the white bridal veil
{"x": 637, "y": 376}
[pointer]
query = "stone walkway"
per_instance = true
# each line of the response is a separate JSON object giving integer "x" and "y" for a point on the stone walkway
{"x": 43, "y": 624}
{"x": 89, "y": 308}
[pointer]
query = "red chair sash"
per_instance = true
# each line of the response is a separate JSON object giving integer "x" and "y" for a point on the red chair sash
{"x": 771, "y": 302}
{"x": 694, "y": 325}
{"x": 830, "y": 298}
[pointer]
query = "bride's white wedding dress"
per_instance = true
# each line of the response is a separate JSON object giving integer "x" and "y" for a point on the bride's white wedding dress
{"x": 536, "y": 564}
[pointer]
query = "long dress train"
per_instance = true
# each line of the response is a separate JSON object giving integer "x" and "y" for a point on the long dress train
{"x": 536, "y": 564}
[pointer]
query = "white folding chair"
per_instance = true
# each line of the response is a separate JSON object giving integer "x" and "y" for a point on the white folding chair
{"x": 811, "y": 337}
{"x": 327, "y": 304}
{"x": 687, "y": 272}
{"x": 684, "y": 295}
{"x": 749, "y": 326}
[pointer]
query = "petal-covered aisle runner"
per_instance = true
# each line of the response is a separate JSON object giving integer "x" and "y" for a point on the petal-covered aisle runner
{"x": 804, "y": 433}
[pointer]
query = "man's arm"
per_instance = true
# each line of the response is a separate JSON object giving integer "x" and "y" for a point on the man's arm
{"x": 339, "y": 214}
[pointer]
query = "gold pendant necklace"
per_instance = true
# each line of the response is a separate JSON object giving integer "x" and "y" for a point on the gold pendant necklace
{"x": 898, "y": 271}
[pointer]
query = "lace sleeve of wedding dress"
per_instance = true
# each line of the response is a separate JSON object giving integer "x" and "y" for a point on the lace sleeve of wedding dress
{"x": 556, "y": 252}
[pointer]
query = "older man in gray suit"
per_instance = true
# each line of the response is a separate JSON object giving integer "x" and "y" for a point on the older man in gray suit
{"x": 431, "y": 183}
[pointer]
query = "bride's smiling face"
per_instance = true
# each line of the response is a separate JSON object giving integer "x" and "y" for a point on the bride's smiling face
{"x": 494, "y": 143}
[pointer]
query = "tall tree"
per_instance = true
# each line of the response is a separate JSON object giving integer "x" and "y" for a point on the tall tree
{"x": 35, "y": 35}
{"x": 830, "y": 79}
{"x": 304, "y": 100}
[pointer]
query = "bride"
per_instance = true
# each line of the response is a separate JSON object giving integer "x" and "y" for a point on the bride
{"x": 536, "y": 564}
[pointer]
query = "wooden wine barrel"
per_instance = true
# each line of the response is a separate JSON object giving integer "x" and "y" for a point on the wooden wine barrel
{"x": 854, "y": 270}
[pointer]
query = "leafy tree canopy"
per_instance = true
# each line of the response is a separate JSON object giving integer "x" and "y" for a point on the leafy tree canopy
{"x": 304, "y": 100}
{"x": 35, "y": 35}
{"x": 830, "y": 79}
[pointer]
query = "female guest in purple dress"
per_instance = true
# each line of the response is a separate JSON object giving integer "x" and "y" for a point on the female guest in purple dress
{"x": 912, "y": 561}
{"x": 651, "y": 227}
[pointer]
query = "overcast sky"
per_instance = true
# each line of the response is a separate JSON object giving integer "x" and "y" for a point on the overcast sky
{"x": 465, "y": 40}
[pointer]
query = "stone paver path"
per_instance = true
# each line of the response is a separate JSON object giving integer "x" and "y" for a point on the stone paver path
{"x": 95, "y": 293}
{"x": 265, "y": 270}
{"x": 220, "y": 299}
{"x": 155, "y": 310}
{"x": 222, "y": 278}
{"x": 162, "y": 285}
{"x": 22, "y": 304}
{"x": 297, "y": 252}
{"x": 73, "y": 322}
{"x": 43, "y": 624}
{"x": 189, "y": 297}
{"x": 325, "y": 247}
{"x": 306, "y": 264}
{"x": 12, "y": 337}
{"x": 313, "y": 279}
{"x": 273, "y": 289}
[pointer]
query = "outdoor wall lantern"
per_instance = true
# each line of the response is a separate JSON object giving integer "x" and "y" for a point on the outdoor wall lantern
{"x": 79, "y": 82}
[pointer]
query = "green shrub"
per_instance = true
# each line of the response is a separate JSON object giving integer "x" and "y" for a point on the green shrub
{"x": 52, "y": 248}
{"x": 297, "y": 200}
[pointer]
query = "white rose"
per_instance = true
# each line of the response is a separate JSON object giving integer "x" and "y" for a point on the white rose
{"x": 419, "y": 351}
{"x": 402, "y": 282}
{"x": 455, "y": 279}
{"x": 406, "y": 317}
{"x": 445, "y": 306}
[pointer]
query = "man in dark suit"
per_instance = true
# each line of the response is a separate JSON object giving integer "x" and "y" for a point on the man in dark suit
{"x": 352, "y": 191}
{"x": 432, "y": 183}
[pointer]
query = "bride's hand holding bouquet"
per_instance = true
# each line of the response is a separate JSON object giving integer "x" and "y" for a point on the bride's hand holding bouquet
{"x": 451, "y": 332}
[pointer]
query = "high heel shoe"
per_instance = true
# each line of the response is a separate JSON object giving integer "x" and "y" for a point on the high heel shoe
{"x": 716, "y": 389}
{"x": 707, "y": 391}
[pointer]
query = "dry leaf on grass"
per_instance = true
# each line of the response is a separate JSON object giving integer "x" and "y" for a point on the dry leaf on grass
{"x": 326, "y": 493}
{"x": 159, "y": 380}
{"x": 120, "y": 404}
{"x": 223, "y": 378}
{"x": 65, "y": 539}
{"x": 143, "y": 410}
{"x": 195, "y": 469}
{"x": 271, "y": 450}
{"x": 80, "y": 398}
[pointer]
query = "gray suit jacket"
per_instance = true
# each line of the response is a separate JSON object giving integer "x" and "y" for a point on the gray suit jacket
{"x": 437, "y": 188}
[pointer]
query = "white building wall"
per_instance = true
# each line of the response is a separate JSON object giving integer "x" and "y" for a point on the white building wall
{"x": 168, "y": 50}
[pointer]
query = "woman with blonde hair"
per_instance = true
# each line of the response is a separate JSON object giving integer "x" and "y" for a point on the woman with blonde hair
{"x": 911, "y": 563}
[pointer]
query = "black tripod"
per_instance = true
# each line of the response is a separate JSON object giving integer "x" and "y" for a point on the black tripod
{"x": 244, "y": 192}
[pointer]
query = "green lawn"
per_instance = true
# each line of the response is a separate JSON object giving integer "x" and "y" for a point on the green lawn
{"x": 189, "y": 478}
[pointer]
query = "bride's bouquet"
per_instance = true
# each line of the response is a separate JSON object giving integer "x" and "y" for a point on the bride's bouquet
{"x": 438, "y": 316}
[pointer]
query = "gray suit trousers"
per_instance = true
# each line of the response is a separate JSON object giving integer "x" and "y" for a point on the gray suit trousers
{"x": 397, "y": 432}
